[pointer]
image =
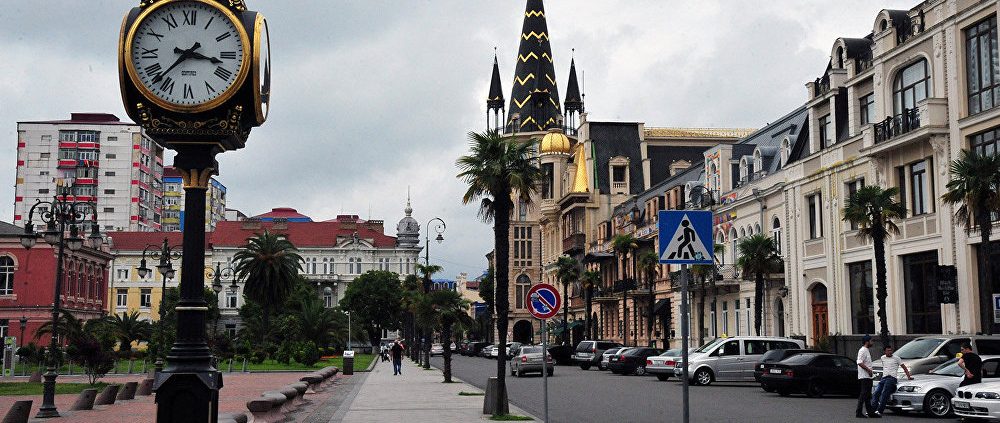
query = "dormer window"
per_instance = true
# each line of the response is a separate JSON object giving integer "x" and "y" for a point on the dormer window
{"x": 786, "y": 152}
{"x": 758, "y": 161}
{"x": 619, "y": 175}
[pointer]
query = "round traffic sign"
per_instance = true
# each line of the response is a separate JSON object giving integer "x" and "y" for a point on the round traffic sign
{"x": 544, "y": 301}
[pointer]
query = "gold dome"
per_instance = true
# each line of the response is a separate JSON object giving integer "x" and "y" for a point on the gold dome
{"x": 554, "y": 142}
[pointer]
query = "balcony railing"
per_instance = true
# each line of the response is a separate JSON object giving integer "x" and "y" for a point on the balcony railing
{"x": 897, "y": 125}
{"x": 574, "y": 243}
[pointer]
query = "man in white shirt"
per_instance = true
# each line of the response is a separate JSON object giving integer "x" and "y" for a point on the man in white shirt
{"x": 886, "y": 386}
{"x": 865, "y": 378}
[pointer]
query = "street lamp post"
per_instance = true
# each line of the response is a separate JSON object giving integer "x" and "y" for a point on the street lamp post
{"x": 439, "y": 228}
{"x": 59, "y": 216}
{"x": 165, "y": 267}
{"x": 24, "y": 324}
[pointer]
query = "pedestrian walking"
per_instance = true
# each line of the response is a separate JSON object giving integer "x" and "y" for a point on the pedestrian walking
{"x": 887, "y": 385}
{"x": 384, "y": 353}
{"x": 972, "y": 364}
{"x": 865, "y": 379}
{"x": 397, "y": 357}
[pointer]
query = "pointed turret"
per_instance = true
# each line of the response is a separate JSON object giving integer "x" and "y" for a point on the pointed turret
{"x": 574, "y": 100}
{"x": 534, "y": 98}
{"x": 494, "y": 102}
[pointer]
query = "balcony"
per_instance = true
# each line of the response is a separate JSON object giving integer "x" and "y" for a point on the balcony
{"x": 930, "y": 117}
{"x": 900, "y": 124}
{"x": 575, "y": 243}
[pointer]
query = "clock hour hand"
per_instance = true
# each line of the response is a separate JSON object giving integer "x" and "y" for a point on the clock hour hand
{"x": 185, "y": 54}
{"x": 197, "y": 55}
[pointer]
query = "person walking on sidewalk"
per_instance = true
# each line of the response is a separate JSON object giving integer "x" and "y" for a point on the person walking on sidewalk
{"x": 397, "y": 357}
{"x": 887, "y": 385}
{"x": 865, "y": 378}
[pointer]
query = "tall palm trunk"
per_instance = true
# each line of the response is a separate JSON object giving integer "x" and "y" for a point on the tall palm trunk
{"x": 446, "y": 342}
{"x": 501, "y": 242}
{"x": 589, "y": 308}
{"x": 758, "y": 301}
{"x": 986, "y": 272}
{"x": 565, "y": 334}
{"x": 881, "y": 290}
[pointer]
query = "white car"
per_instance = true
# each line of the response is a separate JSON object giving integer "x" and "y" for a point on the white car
{"x": 663, "y": 365}
{"x": 933, "y": 393}
{"x": 980, "y": 401}
{"x": 437, "y": 349}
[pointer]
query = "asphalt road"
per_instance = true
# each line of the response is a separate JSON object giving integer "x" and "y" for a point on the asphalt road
{"x": 577, "y": 396}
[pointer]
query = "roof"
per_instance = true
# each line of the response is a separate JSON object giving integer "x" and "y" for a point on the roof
{"x": 495, "y": 97}
{"x": 661, "y": 157}
{"x": 768, "y": 139}
{"x": 301, "y": 234}
{"x": 534, "y": 96}
{"x": 10, "y": 229}
{"x": 87, "y": 119}
{"x": 137, "y": 241}
{"x": 288, "y": 213}
{"x": 697, "y": 132}
{"x": 171, "y": 172}
{"x": 612, "y": 139}
{"x": 574, "y": 101}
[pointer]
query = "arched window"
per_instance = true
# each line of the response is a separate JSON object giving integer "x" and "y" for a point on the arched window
{"x": 732, "y": 243}
{"x": 756, "y": 229}
{"x": 6, "y": 275}
{"x": 521, "y": 286}
{"x": 776, "y": 234}
{"x": 911, "y": 86}
{"x": 744, "y": 169}
{"x": 883, "y": 25}
{"x": 840, "y": 57}
{"x": 758, "y": 161}
{"x": 786, "y": 151}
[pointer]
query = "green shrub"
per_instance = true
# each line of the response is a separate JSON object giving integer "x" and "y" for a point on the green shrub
{"x": 307, "y": 353}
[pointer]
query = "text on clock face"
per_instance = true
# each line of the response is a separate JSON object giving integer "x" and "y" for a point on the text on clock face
{"x": 187, "y": 53}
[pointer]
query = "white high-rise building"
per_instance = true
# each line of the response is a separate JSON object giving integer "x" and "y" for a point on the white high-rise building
{"x": 97, "y": 158}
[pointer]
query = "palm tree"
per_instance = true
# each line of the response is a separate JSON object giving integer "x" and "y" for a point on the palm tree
{"x": 591, "y": 279}
{"x": 872, "y": 209}
{"x": 567, "y": 271}
{"x": 412, "y": 290}
{"x": 649, "y": 264}
{"x": 498, "y": 171}
{"x": 316, "y": 322}
{"x": 758, "y": 256}
{"x": 975, "y": 184}
{"x": 269, "y": 264}
{"x": 67, "y": 326}
{"x": 428, "y": 270}
{"x": 623, "y": 245}
{"x": 448, "y": 309}
{"x": 127, "y": 327}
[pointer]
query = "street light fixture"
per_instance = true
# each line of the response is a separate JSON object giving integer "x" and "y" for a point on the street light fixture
{"x": 59, "y": 216}
{"x": 165, "y": 253}
{"x": 438, "y": 227}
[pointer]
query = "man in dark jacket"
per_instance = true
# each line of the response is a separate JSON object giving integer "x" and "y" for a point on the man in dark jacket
{"x": 396, "y": 351}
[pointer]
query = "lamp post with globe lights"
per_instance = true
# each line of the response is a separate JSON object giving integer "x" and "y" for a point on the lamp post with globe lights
{"x": 165, "y": 253}
{"x": 439, "y": 228}
{"x": 60, "y": 216}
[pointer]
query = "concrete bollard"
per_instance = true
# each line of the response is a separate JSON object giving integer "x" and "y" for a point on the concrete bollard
{"x": 145, "y": 388}
{"x": 277, "y": 400}
{"x": 18, "y": 412}
{"x": 128, "y": 391}
{"x": 107, "y": 396}
{"x": 489, "y": 401}
{"x": 300, "y": 389}
{"x": 86, "y": 400}
{"x": 313, "y": 380}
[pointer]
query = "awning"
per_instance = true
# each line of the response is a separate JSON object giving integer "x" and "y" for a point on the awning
{"x": 575, "y": 323}
{"x": 662, "y": 306}
{"x": 597, "y": 256}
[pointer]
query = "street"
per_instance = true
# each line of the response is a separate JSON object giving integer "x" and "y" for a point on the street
{"x": 577, "y": 395}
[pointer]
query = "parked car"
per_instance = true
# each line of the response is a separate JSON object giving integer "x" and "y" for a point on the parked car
{"x": 773, "y": 356}
{"x": 562, "y": 354}
{"x": 437, "y": 349}
{"x": 979, "y": 401}
{"x": 588, "y": 353}
{"x": 489, "y": 351}
{"x": 511, "y": 349}
{"x": 927, "y": 352}
{"x": 663, "y": 365}
{"x": 529, "y": 359}
{"x": 731, "y": 359}
{"x": 814, "y": 374}
{"x": 932, "y": 393}
{"x": 476, "y": 348}
{"x": 632, "y": 361}
{"x": 608, "y": 353}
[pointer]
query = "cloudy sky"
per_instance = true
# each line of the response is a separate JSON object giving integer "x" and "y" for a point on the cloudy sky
{"x": 373, "y": 96}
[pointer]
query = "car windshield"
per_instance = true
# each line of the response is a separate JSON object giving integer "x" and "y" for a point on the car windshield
{"x": 710, "y": 345}
{"x": 612, "y": 351}
{"x": 918, "y": 348}
{"x": 671, "y": 353}
{"x": 531, "y": 350}
{"x": 798, "y": 359}
{"x": 949, "y": 368}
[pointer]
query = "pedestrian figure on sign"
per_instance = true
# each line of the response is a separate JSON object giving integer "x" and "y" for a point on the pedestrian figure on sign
{"x": 396, "y": 351}
{"x": 687, "y": 238}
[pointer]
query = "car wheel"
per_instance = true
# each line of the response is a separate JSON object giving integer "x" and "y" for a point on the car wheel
{"x": 938, "y": 403}
{"x": 520, "y": 373}
{"x": 663, "y": 378}
{"x": 815, "y": 389}
{"x": 640, "y": 371}
{"x": 600, "y": 366}
{"x": 585, "y": 366}
{"x": 766, "y": 387}
{"x": 703, "y": 377}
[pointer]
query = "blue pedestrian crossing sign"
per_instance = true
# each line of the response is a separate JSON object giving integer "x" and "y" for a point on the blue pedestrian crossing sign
{"x": 686, "y": 237}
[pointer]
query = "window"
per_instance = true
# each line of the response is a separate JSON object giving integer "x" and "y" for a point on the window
{"x": 825, "y": 132}
{"x": 521, "y": 286}
{"x": 712, "y": 325}
{"x": 43, "y": 191}
{"x": 867, "y": 108}
{"x": 327, "y": 299}
{"x": 725, "y": 318}
{"x": 121, "y": 297}
{"x": 923, "y": 309}
{"x": 109, "y": 173}
{"x": 548, "y": 173}
{"x": 755, "y": 347}
{"x": 618, "y": 174}
{"x": 121, "y": 274}
{"x": 982, "y": 68}
{"x": 45, "y": 156}
{"x": 145, "y": 297}
{"x": 815, "y": 216}
{"x": 737, "y": 313}
{"x": 6, "y": 275}
{"x": 852, "y": 188}
{"x": 110, "y": 156}
{"x": 863, "y": 308}
{"x": 920, "y": 190}
{"x": 232, "y": 300}
{"x": 112, "y": 139}
{"x": 985, "y": 143}
{"x": 911, "y": 86}
{"x": 749, "y": 319}
{"x": 730, "y": 348}
{"x": 776, "y": 235}
{"x": 109, "y": 209}
{"x": 46, "y": 139}
{"x": 231, "y": 330}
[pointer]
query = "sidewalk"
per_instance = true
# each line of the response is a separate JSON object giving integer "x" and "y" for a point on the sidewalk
{"x": 417, "y": 395}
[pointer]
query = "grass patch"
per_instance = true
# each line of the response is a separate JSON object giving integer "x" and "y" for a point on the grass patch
{"x": 511, "y": 418}
{"x": 471, "y": 394}
{"x": 361, "y": 362}
{"x": 29, "y": 388}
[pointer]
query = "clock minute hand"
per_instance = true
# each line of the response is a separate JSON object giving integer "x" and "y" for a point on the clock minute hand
{"x": 197, "y": 55}
{"x": 185, "y": 54}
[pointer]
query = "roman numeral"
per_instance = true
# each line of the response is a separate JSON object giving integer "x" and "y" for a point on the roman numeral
{"x": 190, "y": 18}
{"x": 208, "y": 88}
{"x": 170, "y": 20}
{"x": 152, "y": 69}
{"x": 150, "y": 54}
{"x": 222, "y": 73}
{"x": 227, "y": 55}
{"x": 210, "y": 19}
{"x": 223, "y": 36}
{"x": 168, "y": 85}
{"x": 159, "y": 37}
{"x": 188, "y": 92}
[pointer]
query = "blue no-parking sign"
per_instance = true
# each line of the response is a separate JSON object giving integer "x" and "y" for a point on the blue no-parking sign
{"x": 546, "y": 303}
{"x": 686, "y": 237}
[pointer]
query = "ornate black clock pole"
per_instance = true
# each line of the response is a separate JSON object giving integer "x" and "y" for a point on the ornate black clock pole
{"x": 196, "y": 75}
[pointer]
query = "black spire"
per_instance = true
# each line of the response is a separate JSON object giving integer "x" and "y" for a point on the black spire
{"x": 494, "y": 102}
{"x": 534, "y": 98}
{"x": 574, "y": 102}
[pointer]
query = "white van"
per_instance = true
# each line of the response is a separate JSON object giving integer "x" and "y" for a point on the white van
{"x": 731, "y": 359}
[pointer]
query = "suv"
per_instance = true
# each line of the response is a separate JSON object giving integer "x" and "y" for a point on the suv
{"x": 923, "y": 354}
{"x": 731, "y": 359}
{"x": 588, "y": 353}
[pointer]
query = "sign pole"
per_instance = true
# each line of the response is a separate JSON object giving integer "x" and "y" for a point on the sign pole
{"x": 545, "y": 370}
{"x": 684, "y": 340}
{"x": 544, "y": 302}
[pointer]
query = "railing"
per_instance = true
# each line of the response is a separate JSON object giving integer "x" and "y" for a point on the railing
{"x": 574, "y": 242}
{"x": 822, "y": 86}
{"x": 864, "y": 63}
{"x": 618, "y": 185}
{"x": 897, "y": 125}
{"x": 624, "y": 285}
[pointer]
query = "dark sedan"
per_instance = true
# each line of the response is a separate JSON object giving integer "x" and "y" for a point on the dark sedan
{"x": 632, "y": 361}
{"x": 814, "y": 374}
{"x": 773, "y": 356}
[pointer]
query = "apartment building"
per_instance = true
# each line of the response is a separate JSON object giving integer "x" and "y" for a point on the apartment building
{"x": 173, "y": 202}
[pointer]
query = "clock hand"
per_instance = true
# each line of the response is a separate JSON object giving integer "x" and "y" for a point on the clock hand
{"x": 197, "y": 55}
{"x": 185, "y": 54}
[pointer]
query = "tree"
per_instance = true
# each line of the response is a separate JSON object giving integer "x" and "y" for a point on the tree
{"x": 975, "y": 184}
{"x": 412, "y": 290}
{"x": 450, "y": 310}
{"x": 623, "y": 245}
{"x": 758, "y": 256}
{"x": 649, "y": 264}
{"x": 96, "y": 359}
{"x": 872, "y": 209}
{"x": 374, "y": 302}
{"x": 567, "y": 271}
{"x": 269, "y": 264}
{"x": 498, "y": 171}
{"x": 703, "y": 273}
{"x": 428, "y": 270}
{"x": 163, "y": 333}
{"x": 126, "y": 328}
{"x": 591, "y": 279}
{"x": 67, "y": 326}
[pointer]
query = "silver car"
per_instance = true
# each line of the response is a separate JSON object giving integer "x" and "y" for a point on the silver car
{"x": 922, "y": 354}
{"x": 663, "y": 365}
{"x": 529, "y": 359}
{"x": 931, "y": 393}
{"x": 731, "y": 359}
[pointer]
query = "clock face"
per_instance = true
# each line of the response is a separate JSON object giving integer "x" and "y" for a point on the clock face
{"x": 188, "y": 54}
{"x": 262, "y": 73}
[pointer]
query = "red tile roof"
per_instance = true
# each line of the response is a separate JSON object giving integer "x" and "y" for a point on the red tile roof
{"x": 283, "y": 212}
{"x": 301, "y": 234}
